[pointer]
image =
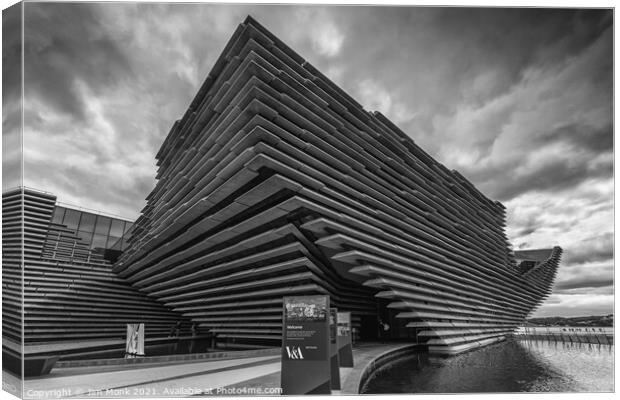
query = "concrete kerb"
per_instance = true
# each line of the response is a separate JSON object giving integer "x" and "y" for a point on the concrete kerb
{"x": 364, "y": 368}
{"x": 217, "y": 355}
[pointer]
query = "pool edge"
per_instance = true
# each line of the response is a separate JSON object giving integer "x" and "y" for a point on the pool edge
{"x": 358, "y": 377}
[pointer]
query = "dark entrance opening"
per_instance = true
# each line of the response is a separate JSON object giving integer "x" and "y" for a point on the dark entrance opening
{"x": 369, "y": 328}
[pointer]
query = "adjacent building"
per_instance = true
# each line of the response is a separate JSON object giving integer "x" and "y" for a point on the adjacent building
{"x": 60, "y": 297}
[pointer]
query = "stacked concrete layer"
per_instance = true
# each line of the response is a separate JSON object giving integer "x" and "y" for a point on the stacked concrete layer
{"x": 70, "y": 293}
{"x": 12, "y": 245}
{"x": 275, "y": 182}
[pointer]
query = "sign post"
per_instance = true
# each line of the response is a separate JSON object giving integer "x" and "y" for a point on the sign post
{"x": 305, "y": 345}
{"x": 333, "y": 349}
{"x": 345, "y": 346}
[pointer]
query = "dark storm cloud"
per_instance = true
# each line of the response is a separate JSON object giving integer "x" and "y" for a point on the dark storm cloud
{"x": 11, "y": 54}
{"x": 555, "y": 111}
{"x": 582, "y": 284}
{"x": 580, "y": 136}
{"x": 68, "y": 45}
{"x": 564, "y": 169}
{"x": 512, "y": 40}
{"x": 590, "y": 277}
{"x": 531, "y": 225}
{"x": 11, "y": 97}
{"x": 552, "y": 176}
{"x": 431, "y": 54}
{"x": 11, "y": 147}
{"x": 598, "y": 248}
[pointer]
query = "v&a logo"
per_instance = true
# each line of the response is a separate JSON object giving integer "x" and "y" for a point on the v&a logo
{"x": 294, "y": 353}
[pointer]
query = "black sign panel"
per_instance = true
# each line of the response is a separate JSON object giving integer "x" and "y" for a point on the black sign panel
{"x": 305, "y": 345}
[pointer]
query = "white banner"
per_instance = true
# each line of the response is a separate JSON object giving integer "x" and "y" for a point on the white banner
{"x": 135, "y": 341}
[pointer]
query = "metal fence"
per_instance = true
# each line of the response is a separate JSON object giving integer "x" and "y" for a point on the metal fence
{"x": 592, "y": 335}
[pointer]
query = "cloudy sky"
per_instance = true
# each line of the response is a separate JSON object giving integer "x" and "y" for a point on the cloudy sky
{"x": 518, "y": 100}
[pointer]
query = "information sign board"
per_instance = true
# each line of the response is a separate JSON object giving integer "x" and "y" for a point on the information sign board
{"x": 305, "y": 345}
{"x": 333, "y": 349}
{"x": 345, "y": 347}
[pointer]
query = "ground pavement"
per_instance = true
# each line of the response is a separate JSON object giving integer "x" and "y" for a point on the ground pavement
{"x": 259, "y": 375}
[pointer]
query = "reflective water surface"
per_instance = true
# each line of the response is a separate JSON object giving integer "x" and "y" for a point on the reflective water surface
{"x": 510, "y": 366}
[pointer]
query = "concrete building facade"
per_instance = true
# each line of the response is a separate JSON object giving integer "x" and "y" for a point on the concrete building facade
{"x": 276, "y": 182}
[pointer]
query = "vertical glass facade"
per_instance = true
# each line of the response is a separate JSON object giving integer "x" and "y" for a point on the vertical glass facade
{"x": 100, "y": 231}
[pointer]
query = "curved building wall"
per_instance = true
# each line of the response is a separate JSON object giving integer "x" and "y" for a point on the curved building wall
{"x": 275, "y": 182}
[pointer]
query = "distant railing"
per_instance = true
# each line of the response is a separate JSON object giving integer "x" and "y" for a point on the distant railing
{"x": 591, "y": 335}
{"x": 71, "y": 205}
{"x": 93, "y": 211}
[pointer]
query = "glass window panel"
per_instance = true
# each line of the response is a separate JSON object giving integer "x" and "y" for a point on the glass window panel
{"x": 113, "y": 242}
{"x": 85, "y": 236}
{"x": 103, "y": 225}
{"x": 127, "y": 226}
{"x": 117, "y": 228}
{"x": 59, "y": 213}
{"x": 87, "y": 223}
{"x": 99, "y": 241}
{"x": 71, "y": 219}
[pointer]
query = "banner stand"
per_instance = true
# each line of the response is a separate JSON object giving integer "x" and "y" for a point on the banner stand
{"x": 345, "y": 342}
{"x": 305, "y": 345}
{"x": 333, "y": 349}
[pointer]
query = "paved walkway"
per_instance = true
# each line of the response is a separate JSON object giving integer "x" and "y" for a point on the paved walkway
{"x": 247, "y": 376}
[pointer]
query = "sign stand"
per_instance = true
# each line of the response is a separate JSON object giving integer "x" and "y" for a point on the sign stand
{"x": 345, "y": 344}
{"x": 305, "y": 345}
{"x": 333, "y": 349}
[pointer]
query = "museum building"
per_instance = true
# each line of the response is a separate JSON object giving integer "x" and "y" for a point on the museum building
{"x": 276, "y": 183}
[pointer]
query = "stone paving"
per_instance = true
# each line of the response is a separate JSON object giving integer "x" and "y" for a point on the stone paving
{"x": 153, "y": 381}
{"x": 245, "y": 376}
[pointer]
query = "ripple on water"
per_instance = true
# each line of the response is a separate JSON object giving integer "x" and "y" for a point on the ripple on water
{"x": 510, "y": 366}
